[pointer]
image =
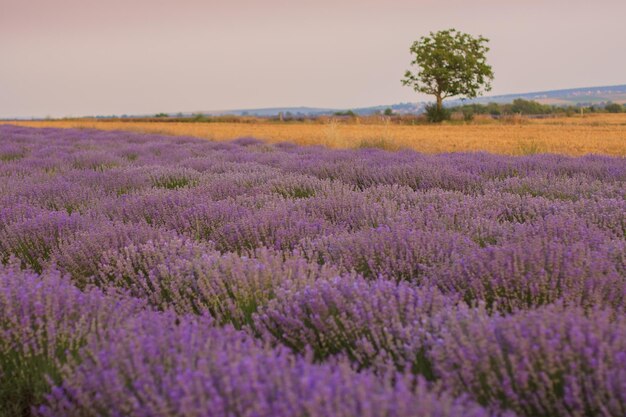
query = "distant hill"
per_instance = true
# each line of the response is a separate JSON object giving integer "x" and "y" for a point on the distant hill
{"x": 573, "y": 97}
{"x": 272, "y": 111}
{"x": 311, "y": 111}
{"x": 568, "y": 97}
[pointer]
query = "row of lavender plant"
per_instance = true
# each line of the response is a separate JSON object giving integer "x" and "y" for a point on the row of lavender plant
{"x": 172, "y": 276}
{"x": 112, "y": 356}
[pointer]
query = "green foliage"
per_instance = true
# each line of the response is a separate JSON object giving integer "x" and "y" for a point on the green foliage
{"x": 519, "y": 106}
{"x": 468, "y": 114}
{"x": 345, "y": 113}
{"x": 388, "y": 111}
{"x": 493, "y": 109}
{"x": 614, "y": 108}
{"x": 437, "y": 115}
{"x": 449, "y": 63}
{"x": 27, "y": 379}
{"x": 161, "y": 115}
{"x": 522, "y": 106}
{"x": 295, "y": 192}
{"x": 132, "y": 156}
{"x": 11, "y": 156}
{"x": 173, "y": 182}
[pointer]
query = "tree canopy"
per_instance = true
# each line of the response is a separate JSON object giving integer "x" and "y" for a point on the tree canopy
{"x": 449, "y": 63}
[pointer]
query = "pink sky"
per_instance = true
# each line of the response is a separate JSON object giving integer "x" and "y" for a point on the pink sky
{"x": 82, "y": 57}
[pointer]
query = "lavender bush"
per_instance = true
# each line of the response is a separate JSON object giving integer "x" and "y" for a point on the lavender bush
{"x": 44, "y": 320}
{"x": 162, "y": 365}
{"x": 553, "y": 361}
{"x": 375, "y": 324}
{"x": 179, "y": 276}
{"x": 189, "y": 278}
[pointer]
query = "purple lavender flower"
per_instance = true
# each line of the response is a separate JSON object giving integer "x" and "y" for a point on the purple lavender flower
{"x": 552, "y": 361}
{"x": 377, "y": 324}
{"x": 33, "y": 240}
{"x": 162, "y": 365}
{"x": 43, "y": 321}
{"x": 354, "y": 258}
{"x": 190, "y": 278}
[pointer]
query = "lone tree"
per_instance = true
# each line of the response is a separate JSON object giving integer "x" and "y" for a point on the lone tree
{"x": 449, "y": 63}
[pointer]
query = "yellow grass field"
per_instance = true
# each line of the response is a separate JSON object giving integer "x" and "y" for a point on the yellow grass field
{"x": 598, "y": 134}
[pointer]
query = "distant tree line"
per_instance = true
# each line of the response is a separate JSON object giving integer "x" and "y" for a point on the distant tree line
{"x": 349, "y": 113}
{"x": 614, "y": 108}
{"x": 531, "y": 108}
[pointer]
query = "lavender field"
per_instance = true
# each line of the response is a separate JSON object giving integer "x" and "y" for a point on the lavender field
{"x": 149, "y": 276}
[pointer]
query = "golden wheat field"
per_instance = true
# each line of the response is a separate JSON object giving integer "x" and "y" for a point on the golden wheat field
{"x": 598, "y": 134}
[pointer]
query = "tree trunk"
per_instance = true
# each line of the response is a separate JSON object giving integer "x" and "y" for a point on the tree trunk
{"x": 439, "y": 103}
